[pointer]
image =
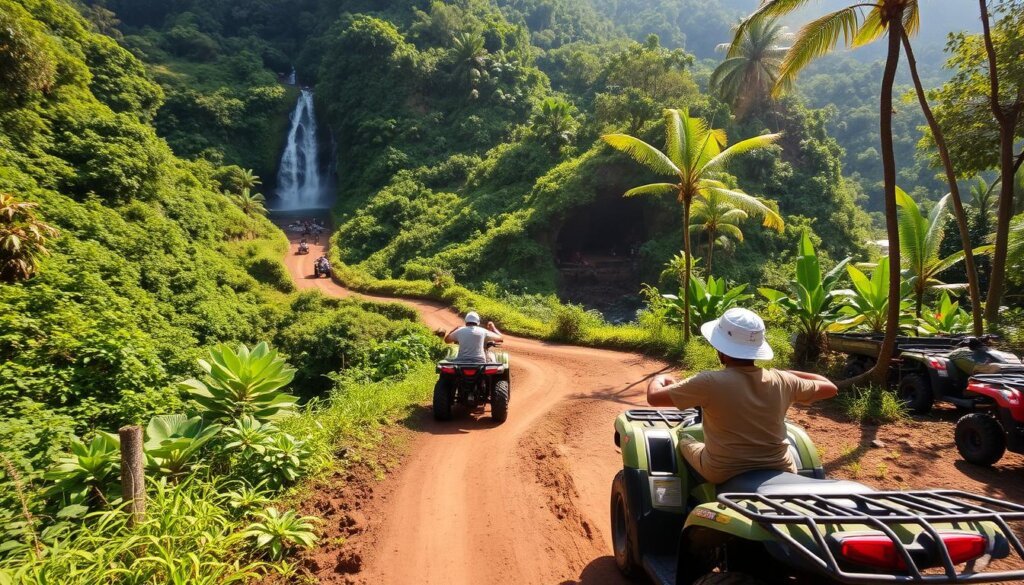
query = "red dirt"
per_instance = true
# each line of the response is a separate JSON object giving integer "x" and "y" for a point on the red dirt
{"x": 527, "y": 501}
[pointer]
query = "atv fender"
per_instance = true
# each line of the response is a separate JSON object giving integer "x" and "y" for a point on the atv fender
{"x": 717, "y": 517}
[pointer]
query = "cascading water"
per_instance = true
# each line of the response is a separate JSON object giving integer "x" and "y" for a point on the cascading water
{"x": 299, "y": 183}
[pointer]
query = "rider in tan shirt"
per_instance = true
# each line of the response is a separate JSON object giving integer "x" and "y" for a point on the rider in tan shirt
{"x": 744, "y": 406}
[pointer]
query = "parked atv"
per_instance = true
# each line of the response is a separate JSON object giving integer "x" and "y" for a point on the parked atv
{"x": 473, "y": 385}
{"x": 983, "y": 437}
{"x": 930, "y": 374}
{"x": 303, "y": 248}
{"x": 774, "y": 526}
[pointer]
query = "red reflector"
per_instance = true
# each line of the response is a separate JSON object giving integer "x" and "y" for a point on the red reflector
{"x": 492, "y": 369}
{"x": 937, "y": 364}
{"x": 447, "y": 369}
{"x": 875, "y": 551}
{"x": 964, "y": 547}
{"x": 469, "y": 372}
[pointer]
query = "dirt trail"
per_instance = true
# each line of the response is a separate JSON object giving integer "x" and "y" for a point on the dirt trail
{"x": 521, "y": 502}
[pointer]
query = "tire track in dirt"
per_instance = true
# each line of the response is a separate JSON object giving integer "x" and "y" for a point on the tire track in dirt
{"x": 521, "y": 502}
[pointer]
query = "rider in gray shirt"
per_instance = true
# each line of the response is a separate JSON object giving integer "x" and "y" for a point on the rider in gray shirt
{"x": 472, "y": 339}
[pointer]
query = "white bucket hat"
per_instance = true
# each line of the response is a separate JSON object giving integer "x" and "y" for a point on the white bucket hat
{"x": 472, "y": 318}
{"x": 739, "y": 334}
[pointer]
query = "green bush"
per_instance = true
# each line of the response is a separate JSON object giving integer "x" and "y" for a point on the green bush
{"x": 873, "y": 405}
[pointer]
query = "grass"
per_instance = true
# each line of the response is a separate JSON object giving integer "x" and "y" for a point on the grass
{"x": 546, "y": 318}
{"x": 353, "y": 412}
{"x": 873, "y": 405}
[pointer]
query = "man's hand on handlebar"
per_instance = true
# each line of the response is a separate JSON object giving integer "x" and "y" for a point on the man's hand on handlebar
{"x": 491, "y": 327}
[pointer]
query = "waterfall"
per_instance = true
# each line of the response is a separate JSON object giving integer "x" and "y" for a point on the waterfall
{"x": 298, "y": 177}
{"x": 290, "y": 79}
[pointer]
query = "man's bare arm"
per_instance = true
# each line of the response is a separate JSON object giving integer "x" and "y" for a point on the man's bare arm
{"x": 823, "y": 387}
{"x": 657, "y": 391}
{"x": 494, "y": 329}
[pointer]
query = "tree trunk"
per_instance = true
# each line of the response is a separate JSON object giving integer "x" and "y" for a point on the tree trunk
{"x": 711, "y": 251}
{"x": 954, "y": 191}
{"x": 997, "y": 280}
{"x": 880, "y": 373}
{"x": 1007, "y": 119}
{"x": 686, "y": 271}
{"x": 133, "y": 478}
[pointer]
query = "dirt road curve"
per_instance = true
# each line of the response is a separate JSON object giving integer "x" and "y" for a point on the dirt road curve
{"x": 521, "y": 502}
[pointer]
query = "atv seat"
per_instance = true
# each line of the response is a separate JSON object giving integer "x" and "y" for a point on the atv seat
{"x": 773, "y": 482}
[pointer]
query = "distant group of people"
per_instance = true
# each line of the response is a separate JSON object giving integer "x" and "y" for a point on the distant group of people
{"x": 308, "y": 228}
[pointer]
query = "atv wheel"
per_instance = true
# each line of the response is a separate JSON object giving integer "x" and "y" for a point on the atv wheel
{"x": 916, "y": 393}
{"x": 980, "y": 439}
{"x": 728, "y": 578}
{"x": 623, "y": 528}
{"x": 443, "y": 399}
{"x": 499, "y": 401}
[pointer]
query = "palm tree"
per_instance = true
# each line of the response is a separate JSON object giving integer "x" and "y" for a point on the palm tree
{"x": 818, "y": 38}
{"x": 250, "y": 203}
{"x": 22, "y": 239}
{"x": 248, "y": 179}
{"x": 470, "y": 59}
{"x": 695, "y": 155}
{"x": 751, "y": 68}
{"x": 554, "y": 123}
{"x": 920, "y": 239}
{"x": 719, "y": 220}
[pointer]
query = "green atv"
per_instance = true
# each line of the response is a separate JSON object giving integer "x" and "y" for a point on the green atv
{"x": 778, "y": 527}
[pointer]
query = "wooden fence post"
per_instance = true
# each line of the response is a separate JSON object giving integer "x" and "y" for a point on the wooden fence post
{"x": 133, "y": 475}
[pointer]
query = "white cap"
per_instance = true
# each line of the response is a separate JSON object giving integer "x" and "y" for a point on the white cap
{"x": 472, "y": 318}
{"x": 738, "y": 334}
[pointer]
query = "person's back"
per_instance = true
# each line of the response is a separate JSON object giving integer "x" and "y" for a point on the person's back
{"x": 744, "y": 406}
{"x": 744, "y": 410}
{"x": 472, "y": 339}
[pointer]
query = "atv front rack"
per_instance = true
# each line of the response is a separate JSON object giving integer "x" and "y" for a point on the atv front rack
{"x": 885, "y": 512}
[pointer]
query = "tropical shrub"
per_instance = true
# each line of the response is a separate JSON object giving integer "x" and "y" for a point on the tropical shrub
{"x": 173, "y": 441}
{"x": 243, "y": 382}
{"x": 276, "y": 533}
{"x": 946, "y": 317}
{"x": 22, "y": 239}
{"x": 261, "y": 451}
{"x": 812, "y": 299}
{"x": 866, "y": 306}
{"x": 90, "y": 474}
{"x": 708, "y": 301}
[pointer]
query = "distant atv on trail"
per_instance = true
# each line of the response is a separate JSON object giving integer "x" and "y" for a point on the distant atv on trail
{"x": 473, "y": 385}
{"x": 777, "y": 527}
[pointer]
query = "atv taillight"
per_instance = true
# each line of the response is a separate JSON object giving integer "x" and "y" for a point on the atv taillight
{"x": 877, "y": 550}
{"x": 937, "y": 364}
{"x": 964, "y": 547}
{"x": 469, "y": 372}
{"x": 492, "y": 370}
{"x": 872, "y": 550}
{"x": 447, "y": 369}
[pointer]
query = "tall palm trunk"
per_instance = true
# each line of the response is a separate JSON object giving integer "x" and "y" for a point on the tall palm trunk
{"x": 954, "y": 191}
{"x": 686, "y": 272}
{"x": 1007, "y": 119}
{"x": 711, "y": 249}
{"x": 880, "y": 372}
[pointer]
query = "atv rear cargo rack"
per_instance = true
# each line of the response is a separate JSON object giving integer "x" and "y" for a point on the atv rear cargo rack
{"x": 883, "y": 511}
{"x": 670, "y": 416}
{"x": 1012, "y": 379}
